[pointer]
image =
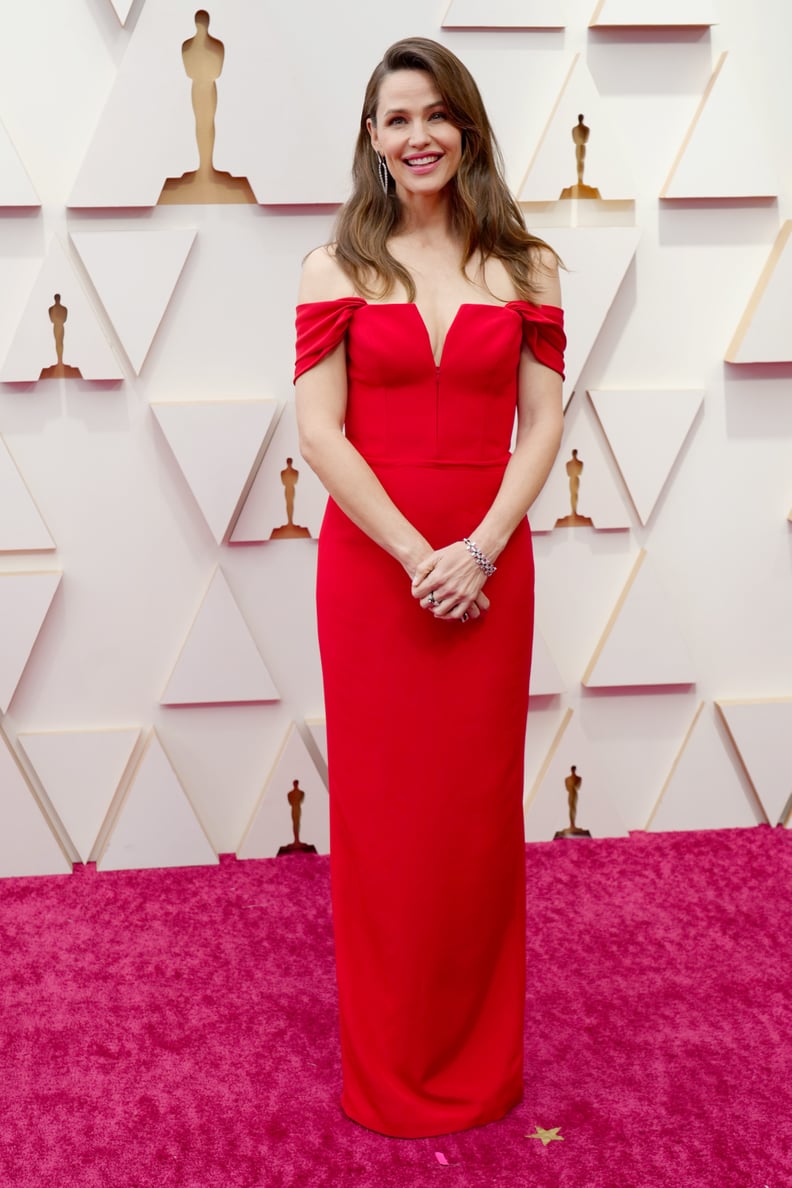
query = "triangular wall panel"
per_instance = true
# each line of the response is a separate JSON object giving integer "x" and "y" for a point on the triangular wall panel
{"x": 219, "y": 662}
{"x": 80, "y": 771}
{"x": 704, "y": 789}
{"x": 156, "y": 825}
{"x": 763, "y": 333}
{"x": 579, "y": 574}
{"x": 646, "y": 430}
{"x": 553, "y": 167}
{"x": 318, "y": 729}
{"x": 25, "y": 599}
{"x": 725, "y": 153}
{"x": 546, "y": 680}
{"x": 629, "y": 14}
{"x": 135, "y": 274}
{"x": 16, "y": 188}
{"x": 122, "y": 9}
{"x": 22, "y": 529}
{"x": 218, "y": 445}
{"x": 265, "y": 515}
{"x": 504, "y": 14}
{"x": 641, "y": 644}
{"x": 547, "y": 804}
{"x": 27, "y": 844}
{"x": 145, "y": 134}
{"x": 762, "y": 735}
{"x": 34, "y": 347}
{"x": 599, "y": 496}
{"x": 597, "y": 260}
{"x": 271, "y": 823}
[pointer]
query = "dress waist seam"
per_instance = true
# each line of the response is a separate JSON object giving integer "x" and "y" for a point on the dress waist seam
{"x": 438, "y": 463}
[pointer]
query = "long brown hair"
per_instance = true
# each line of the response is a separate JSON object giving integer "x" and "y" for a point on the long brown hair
{"x": 484, "y": 214}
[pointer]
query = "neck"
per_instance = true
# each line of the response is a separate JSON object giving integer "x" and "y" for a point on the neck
{"x": 425, "y": 214}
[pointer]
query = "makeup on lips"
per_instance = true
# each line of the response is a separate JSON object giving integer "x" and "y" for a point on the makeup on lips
{"x": 423, "y": 162}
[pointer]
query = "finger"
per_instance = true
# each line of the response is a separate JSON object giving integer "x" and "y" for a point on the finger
{"x": 482, "y": 601}
{"x": 422, "y": 573}
{"x": 423, "y": 589}
{"x": 459, "y": 611}
{"x": 430, "y": 600}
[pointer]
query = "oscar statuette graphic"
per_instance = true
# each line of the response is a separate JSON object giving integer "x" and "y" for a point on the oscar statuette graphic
{"x": 203, "y": 56}
{"x": 289, "y": 531}
{"x": 58, "y": 313}
{"x": 572, "y": 784}
{"x": 296, "y": 796}
{"x": 574, "y": 469}
{"x": 580, "y": 136}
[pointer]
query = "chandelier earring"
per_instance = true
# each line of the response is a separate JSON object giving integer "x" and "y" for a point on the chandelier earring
{"x": 382, "y": 170}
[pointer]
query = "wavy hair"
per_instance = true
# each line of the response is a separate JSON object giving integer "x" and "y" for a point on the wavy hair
{"x": 484, "y": 213}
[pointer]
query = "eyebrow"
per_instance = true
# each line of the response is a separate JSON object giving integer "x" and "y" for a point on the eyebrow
{"x": 427, "y": 107}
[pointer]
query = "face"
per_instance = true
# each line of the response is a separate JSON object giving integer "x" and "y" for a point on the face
{"x": 415, "y": 134}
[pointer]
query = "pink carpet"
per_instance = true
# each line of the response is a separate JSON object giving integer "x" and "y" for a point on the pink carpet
{"x": 178, "y": 1027}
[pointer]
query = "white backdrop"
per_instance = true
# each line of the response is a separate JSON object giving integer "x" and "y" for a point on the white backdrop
{"x": 136, "y": 553}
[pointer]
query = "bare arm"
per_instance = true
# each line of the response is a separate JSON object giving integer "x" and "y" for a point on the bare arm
{"x": 455, "y": 576}
{"x": 320, "y": 396}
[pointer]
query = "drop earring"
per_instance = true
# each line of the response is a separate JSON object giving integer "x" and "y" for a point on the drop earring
{"x": 382, "y": 170}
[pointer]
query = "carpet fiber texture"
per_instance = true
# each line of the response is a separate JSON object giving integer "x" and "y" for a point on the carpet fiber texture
{"x": 178, "y": 1028}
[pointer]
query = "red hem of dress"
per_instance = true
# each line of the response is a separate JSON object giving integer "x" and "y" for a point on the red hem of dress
{"x": 419, "y": 1132}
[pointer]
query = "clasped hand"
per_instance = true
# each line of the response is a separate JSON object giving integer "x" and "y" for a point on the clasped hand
{"x": 449, "y": 584}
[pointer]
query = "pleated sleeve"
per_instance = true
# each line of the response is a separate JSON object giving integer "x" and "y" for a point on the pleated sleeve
{"x": 320, "y": 327}
{"x": 543, "y": 332}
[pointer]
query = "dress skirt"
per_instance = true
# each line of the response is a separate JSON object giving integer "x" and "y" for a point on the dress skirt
{"x": 426, "y": 729}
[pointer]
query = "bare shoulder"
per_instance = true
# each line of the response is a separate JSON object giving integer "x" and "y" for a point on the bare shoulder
{"x": 322, "y": 278}
{"x": 547, "y": 284}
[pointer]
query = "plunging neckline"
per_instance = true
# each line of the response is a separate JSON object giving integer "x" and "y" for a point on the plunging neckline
{"x": 437, "y": 360}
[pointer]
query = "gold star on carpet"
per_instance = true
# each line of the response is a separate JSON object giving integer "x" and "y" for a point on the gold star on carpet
{"x": 547, "y": 1136}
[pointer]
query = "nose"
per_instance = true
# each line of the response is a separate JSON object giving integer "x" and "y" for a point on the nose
{"x": 419, "y": 133}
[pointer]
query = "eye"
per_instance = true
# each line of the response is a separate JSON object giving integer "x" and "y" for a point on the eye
{"x": 438, "y": 115}
{"x": 395, "y": 120}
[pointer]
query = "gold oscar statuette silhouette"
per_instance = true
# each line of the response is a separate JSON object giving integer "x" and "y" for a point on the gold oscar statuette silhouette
{"x": 296, "y": 796}
{"x": 574, "y": 469}
{"x": 580, "y": 135}
{"x": 203, "y": 57}
{"x": 289, "y": 530}
{"x": 58, "y": 313}
{"x": 572, "y": 784}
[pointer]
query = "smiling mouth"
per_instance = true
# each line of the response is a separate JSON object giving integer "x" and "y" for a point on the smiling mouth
{"x": 427, "y": 160}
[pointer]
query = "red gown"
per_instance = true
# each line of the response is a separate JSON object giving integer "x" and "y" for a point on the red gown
{"x": 426, "y": 723}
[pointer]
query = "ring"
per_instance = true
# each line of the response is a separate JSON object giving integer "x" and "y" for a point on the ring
{"x": 465, "y": 617}
{"x": 432, "y": 599}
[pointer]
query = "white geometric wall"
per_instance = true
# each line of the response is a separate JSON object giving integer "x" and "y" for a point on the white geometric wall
{"x": 15, "y": 185}
{"x": 159, "y": 670}
{"x": 553, "y": 166}
{"x": 656, "y": 14}
{"x": 725, "y": 152}
{"x": 763, "y": 333}
{"x": 503, "y": 14}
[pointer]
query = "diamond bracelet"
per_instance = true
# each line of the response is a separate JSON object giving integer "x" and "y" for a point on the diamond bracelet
{"x": 484, "y": 564}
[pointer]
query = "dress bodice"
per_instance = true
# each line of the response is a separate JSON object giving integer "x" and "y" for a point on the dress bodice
{"x": 401, "y": 404}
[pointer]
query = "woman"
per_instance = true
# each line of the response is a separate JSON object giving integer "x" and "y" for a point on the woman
{"x": 424, "y": 326}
